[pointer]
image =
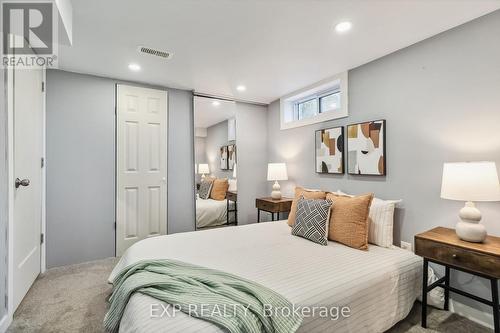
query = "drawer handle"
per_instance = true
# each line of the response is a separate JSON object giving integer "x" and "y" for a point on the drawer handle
{"x": 454, "y": 256}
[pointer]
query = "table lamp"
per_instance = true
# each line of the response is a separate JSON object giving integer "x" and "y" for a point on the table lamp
{"x": 203, "y": 169}
{"x": 469, "y": 182}
{"x": 276, "y": 171}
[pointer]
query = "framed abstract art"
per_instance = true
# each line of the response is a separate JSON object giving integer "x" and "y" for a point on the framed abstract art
{"x": 330, "y": 150}
{"x": 223, "y": 158}
{"x": 366, "y": 148}
{"x": 231, "y": 156}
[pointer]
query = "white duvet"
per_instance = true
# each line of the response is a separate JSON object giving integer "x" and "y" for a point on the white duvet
{"x": 210, "y": 212}
{"x": 379, "y": 286}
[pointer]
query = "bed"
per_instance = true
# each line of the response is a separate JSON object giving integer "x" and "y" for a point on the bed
{"x": 379, "y": 286}
{"x": 211, "y": 213}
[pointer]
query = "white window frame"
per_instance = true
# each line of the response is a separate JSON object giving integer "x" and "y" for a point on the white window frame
{"x": 317, "y": 98}
{"x": 289, "y": 103}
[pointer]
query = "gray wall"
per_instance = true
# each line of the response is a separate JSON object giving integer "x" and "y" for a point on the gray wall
{"x": 252, "y": 141}
{"x": 441, "y": 101}
{"x": 181, "y": 189}
{"x": 81, "y": 166}
{"x": 199, "y": 150}
{"x": 216, "y": 138}
{"x": 3, "y": 195}
{"x": 200, "y": 155}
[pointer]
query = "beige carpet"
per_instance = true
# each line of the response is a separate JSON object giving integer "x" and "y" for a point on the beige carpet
{"x": 73, "y": 299}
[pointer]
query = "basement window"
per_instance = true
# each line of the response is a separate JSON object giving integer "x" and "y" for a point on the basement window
{"x": 324, "y": 101}
{"x": 314, "y": 105}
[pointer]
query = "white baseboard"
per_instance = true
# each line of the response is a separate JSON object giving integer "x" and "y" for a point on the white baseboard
{"x": 480, "y": 317}
{"x": 5, "y": 323}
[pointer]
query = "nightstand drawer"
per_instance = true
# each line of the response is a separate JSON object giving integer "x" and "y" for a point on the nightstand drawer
{"x": 274, "y": 206}
{"x": 232, "y": 196}
{"x": 267, "y": 206}
{"x": 469, "y": 260}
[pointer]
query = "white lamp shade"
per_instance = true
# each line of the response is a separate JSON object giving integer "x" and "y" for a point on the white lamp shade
{"x": 234, "y": 170}
{"x": 277, "y": 171}
{"x": 470, "y": 181}
{"x": 203, "y": 168}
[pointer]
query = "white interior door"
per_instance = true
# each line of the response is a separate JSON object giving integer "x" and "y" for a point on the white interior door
{"x": 27, "y": 170}
{"x": 141, "y": 165}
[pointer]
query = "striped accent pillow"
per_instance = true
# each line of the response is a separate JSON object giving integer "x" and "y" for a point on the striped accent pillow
{"x": 381, "y": 222}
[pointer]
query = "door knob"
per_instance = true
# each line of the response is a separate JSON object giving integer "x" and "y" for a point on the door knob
{"x": 24, "y": 182}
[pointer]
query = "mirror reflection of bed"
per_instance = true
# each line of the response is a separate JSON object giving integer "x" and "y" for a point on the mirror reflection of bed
{"x": 215, "y": 163}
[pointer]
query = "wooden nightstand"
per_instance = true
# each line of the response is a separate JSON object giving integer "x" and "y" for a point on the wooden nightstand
{"x": 442, "y": 246}
{"x": 232, "y": 196}
{"x": 272, "y": 206}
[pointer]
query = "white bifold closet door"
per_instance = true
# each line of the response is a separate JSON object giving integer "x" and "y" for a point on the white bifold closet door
{"x": 141, "y": 192}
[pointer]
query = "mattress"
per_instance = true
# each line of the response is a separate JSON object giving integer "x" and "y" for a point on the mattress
{"x": 211, "y": 213}
{"x": 379, "y": 286}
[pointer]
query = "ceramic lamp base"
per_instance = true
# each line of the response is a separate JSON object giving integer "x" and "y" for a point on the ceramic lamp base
{"x": 469, "y": 229}
{"x": 471, "y": 232}
{"x": 276, "y": 193}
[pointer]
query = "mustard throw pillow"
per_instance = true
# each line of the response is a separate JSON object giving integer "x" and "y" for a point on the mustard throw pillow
{"x": 308, "y": 194}
{"x": 349, "y": 222}
{"x": 219, "y": 189}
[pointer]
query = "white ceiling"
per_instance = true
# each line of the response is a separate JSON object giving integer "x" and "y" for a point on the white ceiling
{"x": 273, "y": 47}
{"x": 207, "y": 114}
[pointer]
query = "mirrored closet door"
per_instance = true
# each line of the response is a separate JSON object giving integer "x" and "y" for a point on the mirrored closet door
{"x": 215, "y": 162}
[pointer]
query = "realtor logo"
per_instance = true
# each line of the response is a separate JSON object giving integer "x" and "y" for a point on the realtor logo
{"x": 29, "y": 34}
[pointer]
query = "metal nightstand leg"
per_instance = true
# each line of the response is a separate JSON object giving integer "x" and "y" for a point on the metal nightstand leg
{"x": 446, "y": 290}
{"x": 494, "y": 299}
{"x": 424, "y": 294}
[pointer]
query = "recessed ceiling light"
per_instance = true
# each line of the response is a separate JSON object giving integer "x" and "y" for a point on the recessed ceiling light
{"x": 241, "y": 88}
{"x": 343, "y": 27}
{"x": 215, "y": 103}
{"x": 134, "y": 67}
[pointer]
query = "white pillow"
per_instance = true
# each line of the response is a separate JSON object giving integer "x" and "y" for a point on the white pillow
{"x": 382, "y": 221}
{"x": 232, "y": 185}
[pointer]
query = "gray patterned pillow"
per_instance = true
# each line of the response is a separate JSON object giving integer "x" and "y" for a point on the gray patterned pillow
{"x": 311, "y": 222}
{"x": 205, "y": 188}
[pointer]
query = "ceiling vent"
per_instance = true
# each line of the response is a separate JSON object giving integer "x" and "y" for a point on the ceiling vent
{"x": 154, "y": 52}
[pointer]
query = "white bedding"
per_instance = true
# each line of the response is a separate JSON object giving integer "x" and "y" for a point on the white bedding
{"x": 379, "y": 286}
{"x": 210, "y": 212}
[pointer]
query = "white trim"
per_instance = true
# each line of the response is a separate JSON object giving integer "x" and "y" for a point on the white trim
{"x": 286, "y": 102}
{"x": 43, "y": 227}
{"x": 10, "y": 189}
{"x": 167, "y": 116}
{"x": 478, "y": 316}
{"x": 5, "y": 323}
{"x": 65, "y": 11}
